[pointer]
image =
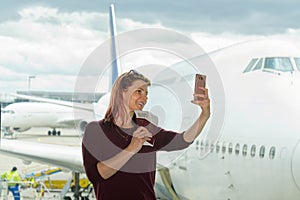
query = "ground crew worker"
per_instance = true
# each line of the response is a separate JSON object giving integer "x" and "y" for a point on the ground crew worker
{"x": 13, "y": 179}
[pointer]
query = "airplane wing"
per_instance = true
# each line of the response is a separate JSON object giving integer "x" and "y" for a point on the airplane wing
{"x": 86, "y": 107}
{"x": 69, "y": 121}
{"x": 68, "y": 157}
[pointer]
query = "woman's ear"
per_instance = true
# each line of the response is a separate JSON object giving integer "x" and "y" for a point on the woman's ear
{"x": 124, "y": 92}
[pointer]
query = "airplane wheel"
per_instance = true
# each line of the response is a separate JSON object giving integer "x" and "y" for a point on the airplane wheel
{"x": 54, "y": 132}
{"x": 67, "y": 198}
{"x": 49, "y": 132}
{"x": 58, "y": 133}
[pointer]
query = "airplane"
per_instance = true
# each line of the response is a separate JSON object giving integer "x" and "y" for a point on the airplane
{"x": 21, "y": 116}
{"x": 250, "y": 148}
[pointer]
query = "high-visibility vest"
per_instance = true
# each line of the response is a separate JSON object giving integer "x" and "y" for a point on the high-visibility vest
{"x": 11, "y": 177}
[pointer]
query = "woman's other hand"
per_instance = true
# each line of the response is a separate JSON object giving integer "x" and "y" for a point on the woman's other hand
{"x": 140, "y": 135}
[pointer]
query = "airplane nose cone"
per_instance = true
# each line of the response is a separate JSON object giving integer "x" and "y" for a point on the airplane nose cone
{"x": 296, "y": 165}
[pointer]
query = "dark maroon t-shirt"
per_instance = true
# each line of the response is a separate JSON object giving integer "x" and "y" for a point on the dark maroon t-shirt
{"x": 135, "y": 180}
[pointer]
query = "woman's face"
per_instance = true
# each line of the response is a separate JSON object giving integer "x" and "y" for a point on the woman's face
{"x": 135, "y": 97}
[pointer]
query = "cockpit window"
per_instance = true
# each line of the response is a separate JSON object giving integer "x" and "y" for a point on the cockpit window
{"x": 297, "y": 61}
{"x": 250, "y": 65}
{"x": 258, "y": 65}
{"x": 7, "y": 111}
{"x": 279, "y": 64}
{"x": 274, "y": 64}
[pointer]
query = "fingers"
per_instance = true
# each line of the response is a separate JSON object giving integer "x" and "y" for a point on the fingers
{"x": 201, "y": 102}
{"x": 201, "y": 96}
{"x": 142, "y": 132}
{"x": 139, "y": 137}
{"x": 202, "y": 99}
{"x": 204, "y": 95}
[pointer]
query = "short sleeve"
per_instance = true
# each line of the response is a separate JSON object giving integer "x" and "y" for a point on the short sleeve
{"x": 91, "y": 151}
{"x": 93, "y": 140}
{"x": 97, "y": 147}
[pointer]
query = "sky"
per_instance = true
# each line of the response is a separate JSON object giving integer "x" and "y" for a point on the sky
{"x": 51, "y": 39}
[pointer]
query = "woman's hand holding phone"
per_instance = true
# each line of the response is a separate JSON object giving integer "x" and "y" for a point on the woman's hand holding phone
{"x": 201, "y": 94}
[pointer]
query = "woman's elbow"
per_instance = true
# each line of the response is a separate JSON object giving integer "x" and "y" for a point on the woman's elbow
{"x": 103, "y": 171}
{"x": 105, "y": 177}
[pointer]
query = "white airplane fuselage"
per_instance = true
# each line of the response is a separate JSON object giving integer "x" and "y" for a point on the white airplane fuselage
{"x": 25, "y": 115}
{"x": 257, "y": 154}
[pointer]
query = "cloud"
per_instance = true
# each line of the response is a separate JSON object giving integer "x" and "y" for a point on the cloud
{"x": 129, "y": 24}
{"x": 49, "y": 44}
{"x": 53, "y": 44}
{"x": 45, "y": 41}
{"x": 9, "y": 75}
{"x": 215, "y": 16}
{"x": 247, "y": 17}
{"x": 53, "y": 83}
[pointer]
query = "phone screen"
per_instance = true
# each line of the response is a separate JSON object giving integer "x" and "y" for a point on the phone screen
{"x": 200, "y": 81}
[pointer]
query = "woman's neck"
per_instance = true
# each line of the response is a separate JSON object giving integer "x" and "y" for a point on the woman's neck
{"x": 126, "y": 122}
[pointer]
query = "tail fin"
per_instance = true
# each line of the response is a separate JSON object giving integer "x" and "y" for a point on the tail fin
{"x": 113, "y": 32}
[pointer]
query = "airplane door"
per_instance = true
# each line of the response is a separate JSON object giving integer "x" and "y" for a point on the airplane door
{"x": 295, "y": 165}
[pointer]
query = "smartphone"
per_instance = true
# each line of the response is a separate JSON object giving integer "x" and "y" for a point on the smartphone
{"x": 200, "y": 81}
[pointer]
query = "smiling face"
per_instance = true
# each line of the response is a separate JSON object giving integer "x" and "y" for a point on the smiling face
{"x": 135, "y": 97}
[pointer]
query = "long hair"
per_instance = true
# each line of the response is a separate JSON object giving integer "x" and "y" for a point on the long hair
{"x": 116, "y": 108}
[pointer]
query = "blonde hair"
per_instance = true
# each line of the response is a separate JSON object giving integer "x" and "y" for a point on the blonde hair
{"x": 116, "y": 108}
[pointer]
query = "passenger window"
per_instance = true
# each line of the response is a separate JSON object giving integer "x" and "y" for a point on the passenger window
{"x": 201, "y": 145}
{"x": 206, "y": 146}
{"x": 218, "y": 147}
{"x": 258, "y": 65}
{"x": 262, "y": 151}
{"x": 212, "y": 146}
{"x": 230, "y": 148}
{"x": 279, "y": 64}
{"x": 244, "y": 150}
{"x": 250, "y": 65}
{"x": 224, "y": 147}
{"x": 272, "y": 153}
{"x": 297, "y": 61}
{"x": 237, "y": 149}
{"x": 253, "y": 150}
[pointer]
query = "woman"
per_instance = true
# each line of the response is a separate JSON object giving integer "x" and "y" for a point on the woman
{"x": 115, "y": 159}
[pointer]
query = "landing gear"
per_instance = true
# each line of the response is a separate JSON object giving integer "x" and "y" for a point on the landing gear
{"x": 54, "y": 132}
{"x": 5, "y": 132}
{"x": 167, "y": 181}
